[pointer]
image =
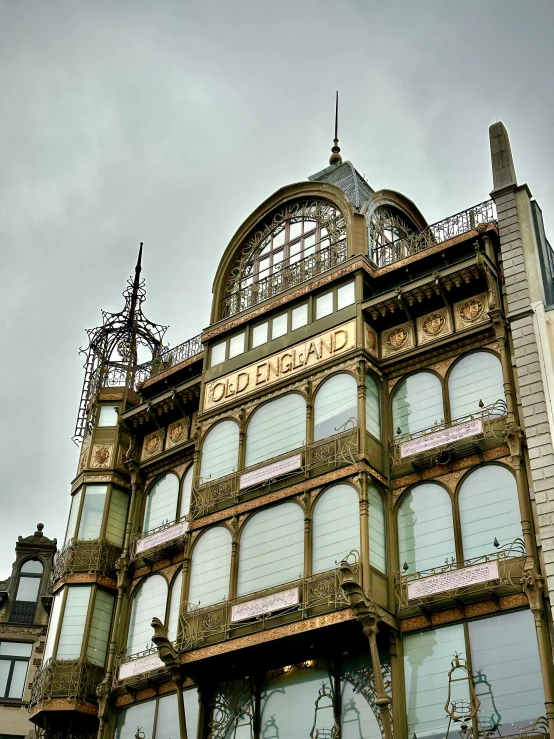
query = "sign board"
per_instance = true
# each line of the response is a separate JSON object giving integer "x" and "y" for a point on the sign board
{"x": 140, "y": 665}
{"x": 267, "y": 604}
{"x": 453, "y": 579}
{"x": 271, "y": 470}
{"x": 438, "y": 438}
{"x": 279, "y": 366}
{"x": 162, "y": 537}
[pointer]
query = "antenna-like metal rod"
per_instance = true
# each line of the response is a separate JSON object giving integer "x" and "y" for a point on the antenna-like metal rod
{"x": 337, "y": 117}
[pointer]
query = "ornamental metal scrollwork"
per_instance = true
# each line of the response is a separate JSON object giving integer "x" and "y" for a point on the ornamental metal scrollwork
{"x": 233, "y": 702}
{"x": 359, "y": 673}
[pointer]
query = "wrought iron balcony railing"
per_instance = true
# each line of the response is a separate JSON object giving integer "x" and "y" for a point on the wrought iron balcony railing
{"x": 76, "y": 679}
{"x": 457, "y": 436}
{"x": 152, "y": 544}
{"x": 456, "y": 225}
{"x": 335, "y": 451}
{"x": 96, "y": 555}
{"x": 461, "y": 581}
{"x": 288, "y": 276}
{"x": 171, "y": 357}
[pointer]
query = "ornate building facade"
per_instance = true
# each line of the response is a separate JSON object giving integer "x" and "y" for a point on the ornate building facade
{"x": 317, "y": 518}
{"x": 25, "y": 601}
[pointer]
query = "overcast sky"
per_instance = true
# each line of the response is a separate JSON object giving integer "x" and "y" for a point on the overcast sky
{"x": 169, "y": 121}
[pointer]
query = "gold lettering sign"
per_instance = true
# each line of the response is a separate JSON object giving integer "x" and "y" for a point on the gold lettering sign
{"x": 290, "y": 362}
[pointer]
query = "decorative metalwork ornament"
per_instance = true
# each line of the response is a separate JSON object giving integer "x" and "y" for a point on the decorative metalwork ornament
{"x": 325, "y": 725}
{"x": 460, "y": 685}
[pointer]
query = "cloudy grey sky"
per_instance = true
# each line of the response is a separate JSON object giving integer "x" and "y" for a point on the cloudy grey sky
{"x": 169, "y": 121}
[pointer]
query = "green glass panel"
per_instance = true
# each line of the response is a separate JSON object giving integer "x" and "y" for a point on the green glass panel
{"x": 73, "y": 624}
{"x": 372, "y": 407}
{"x": 211, "y": 567}
{"x": 336, "y": 527}
{"x": 117, "y": 517}
{"x": 99, "y": 636}
{"x": 417, "y": 403}
{"x": 139, "y": 716}
{"x": 149, "y": 601}
{"x": 220, "y": 450}
{"x": 276, "y": 428}
{"x": 335, "y": 403}
{"x": 377, "y": 530}
{"x": 161, "y": 502}
{"x": 92, "y": 512}
{"x": 474, "y": 378}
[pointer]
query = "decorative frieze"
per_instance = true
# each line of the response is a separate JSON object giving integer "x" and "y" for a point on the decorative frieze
{"x": 470, "y": 312}
{"x": 433, "y": 326}
{"x": 396, "y": 340}
{"x": 152, "y": 444}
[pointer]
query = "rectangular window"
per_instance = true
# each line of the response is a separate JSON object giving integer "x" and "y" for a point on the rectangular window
{"x": 73, "y": 622}
{"x": 53, "y": 627}
{"x": 117, "y": 517}
{"x": 279, "y": 326}
{"x": 108, "y": 416}
{"x": 259, "y": 334}
{"x": 100, "y": 628}
{"x": 93, "y": 511}
{"x": 217, "y": 353}
{"x": 324, "y": 305}
{"x": 236, "y": 345}
{"x": 299, "y": 316}
{"x": 14, "y": 662}
{"x": 73, "y": 516}
{"x": 346, "y": 296}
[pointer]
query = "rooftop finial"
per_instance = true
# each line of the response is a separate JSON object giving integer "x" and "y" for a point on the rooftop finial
{"x": 335, "y": 157}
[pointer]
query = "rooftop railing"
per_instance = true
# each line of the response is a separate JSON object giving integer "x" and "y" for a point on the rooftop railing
{"x": 456, "y": 225}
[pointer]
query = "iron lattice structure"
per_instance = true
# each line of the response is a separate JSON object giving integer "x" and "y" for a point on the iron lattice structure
{"x": 111, "y": 354}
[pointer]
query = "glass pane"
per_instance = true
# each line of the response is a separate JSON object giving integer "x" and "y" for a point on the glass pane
{"x": 93, "y": 510}
{"x": 100, "y": 627}
{"x": 271, "y": 548}
{"x": 299, "y": 316}
{"x": 295, "y": 230}
{"x": 236, "y": 345}
{"x": 186, "y": 491}
{"x": 167, "y": 720}
{"x": 161, "y": 502}
{"x": 279, "y": 326}
{"x": 507, "y": 671}
{"x": 108, "y": 416}
{"x": 279, "y": 238}
{"x": 336, "y": 527}
{"x": 211, "y": 568}
{"x": 220, "y": 450}
{"x": 475, "y": 377}
{"x": 417, "y": 403}
{"x": 117, "y": 517}
{"x": 5, "y": 666}
{"x": 489, "y": 508}
{"x": 73, "y": 515}
{"x": 149, "y": 601}
{"x": 259, "y": 334}
{"x": 309, "y": 241}
{"x": 335, "y": 403}
{"x": 34, "y": 566}
{"x": 15, "y": 649}
{"x": 139, "y": 716}
{"x": 358, "y": 721}
{"x": 191, "y": 712}
{"x": 372, "y": 407}
{"x": 217, "y": 353}
{"x": 264, "y": 268}
{"x": 174, "y": 606}
{"x": 28, "y": 588}
{"x": 53, "y": 626}
{"x": 17, "y": 685}
{"x": 73, "y": 624}
{"x": 324, "y": 305}
{"x": 425, "y": 529}
{"x": 346, "y": 296}
{"x": 377, "y": 530}
{"x": 275, "y": 428}
{"x": 427, "y": 661}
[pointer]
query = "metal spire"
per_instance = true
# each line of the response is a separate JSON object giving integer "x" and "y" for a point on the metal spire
{"x": 335, "y": 157}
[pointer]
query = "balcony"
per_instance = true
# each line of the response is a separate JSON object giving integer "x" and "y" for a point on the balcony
{"x": 445, "y": 441}
{"x": 172, "y": 357}
{"x": 333, "y": 452}
{"x": 72, "y": 679}
{"x": 396, "y": 249}
{"x": 454, "y": 583}
{"x": 95, "y": 556}
{"x": 155, "y": 544}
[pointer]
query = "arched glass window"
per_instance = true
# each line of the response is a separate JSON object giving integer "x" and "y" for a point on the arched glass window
{"x": 149, "y": 600}
{"x": 425, "y": 528}
{"x": 174, "y": 606}
{"x": 372, "y": 407}
{"x": 271, "y": 548}
{"x": 336, "y": 527}
{"x": 220, "y": 450}
{"x": 377, "y": 530}
{"x": 388, "y": 228}
{"x": 476, "y": 377}
{"x": 275, "y": 428}
{"x": 417, "y": 403}
{"x": 186, "y": 491}
{"x": 489, "y": 509}
{"x": 161, "y": 501}
{"x": 211, "y": 567}
{"x": 28, "y": 588}
{"x": 336, "y": 401}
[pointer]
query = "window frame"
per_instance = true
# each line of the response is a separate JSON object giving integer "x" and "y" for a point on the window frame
{"x": 12, "y": 659}
{"x": 107, "y": 503}
{"x": 149, "y": 489}
{"x": 30, "y": 575}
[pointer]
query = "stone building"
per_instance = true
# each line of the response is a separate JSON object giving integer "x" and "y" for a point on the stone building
{"x": 25, "y": 600}
{"x": 320, "y": 516}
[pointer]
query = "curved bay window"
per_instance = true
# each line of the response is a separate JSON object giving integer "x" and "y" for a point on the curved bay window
{"x": 475, "y": 378}
{"x": 220, "y": 450}
{"x": 149, "y": 600}
{"x": 336, "y": 402}
{"x": 210, "y": 570}
{"x": 275, "y": 428}
{"x": 299, "y": 241}
{"x": 336, "y": 527}
{"x": 372, "y": 406}
{"x": 27, "y": 594}
{"x": 417, "y": 403}
{"x": 87, "y": 520}
{"x": 161, "y": 501}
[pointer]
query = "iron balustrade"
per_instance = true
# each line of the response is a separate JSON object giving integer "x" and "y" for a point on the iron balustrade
{"x": 154, "y": 551}
{"x": 437, "y": 233}
{"x": 76, "y": 679}
{"x": 95, "y": 555}
{"x": 174, "y": 356}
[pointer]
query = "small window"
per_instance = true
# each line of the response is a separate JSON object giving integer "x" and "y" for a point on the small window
{"x": 108, "y": 416}
{"x": 346, "y": 296}
{"x": 14, "y": 662}
{"x": 324, "y": 305}
{"x": 217, "y": 353}
{"x": 299, "y": 316}
{"x": 236, "y": 345}
{"x": 259, "y": 334}
{"x": 25, "y": 604}
{"x": 279, "y": 326}
{"x": 92, "y": 513}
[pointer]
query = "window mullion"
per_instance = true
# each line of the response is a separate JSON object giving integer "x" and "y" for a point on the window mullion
{"x": 9, "y": 680}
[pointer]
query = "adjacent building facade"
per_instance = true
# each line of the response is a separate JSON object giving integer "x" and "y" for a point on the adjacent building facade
{"x": 324, "y": 510}
{"x": 25, "y": 600}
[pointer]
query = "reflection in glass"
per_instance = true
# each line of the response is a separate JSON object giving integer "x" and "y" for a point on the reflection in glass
{"x": 236, "y": 345}
{"x": 117, "y": 517}
{"x": 476, "y": 377}
{"x": 358, "y": 721}
{"x": 92, "y": 512}
{"x": 377, "y": 530}
{"x": 186, "y": 491}
{"x": 372, "y": 407}
{"x": 417, "y": 403}
{"x": 336, "y": 527}
{"x": 275, "y": 428}
{"x": 97, "y": 644}
{"x": 345, "y": 295}
{"x": 73, "y": 624}
{"x": 324, "y": 305}
{"x": 217, "y": 353}
{"x": 211, "y": 567}
{"x": 149, "y": 601}
{"x": 161, "y": 501}
{"x": 73, "y": 515}
{"x": 174, "y": 605}
{"x": 220, "y": 450}
{"x": 140, "y": 715}
{"x": 259, "y": 334}
{"x": 335, "y": 403}
{"x": 29, "y": 581}
{"x": 299, "y": 316}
